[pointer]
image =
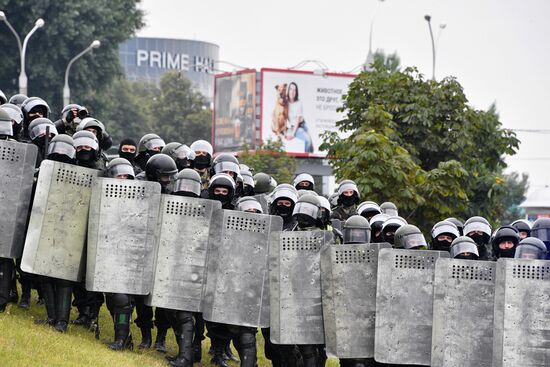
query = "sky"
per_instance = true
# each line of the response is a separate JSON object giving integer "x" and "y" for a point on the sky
{"x": 497, "y": 49}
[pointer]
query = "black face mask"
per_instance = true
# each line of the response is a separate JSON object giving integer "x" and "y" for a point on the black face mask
{"x": 283, "y": 211}
{"x": 305, "y": 220}
{"x": 40, "y": 142}
{"x": 390, "y": 239}
{"x": 441, "y": 245}
{"x": 466, "y": 257}
{"x": 186, "y": 194}
{"x": 509, "y": 253}
{"x": 479, "y": 239}
{"x": 224, "y": 199}
{"x": 202, "y": 162}
{"x": 128, "y": 156}
{"x": 182, "y": 163}
{"x": 60, "y": 158}
{"x": 348, "y": 200}
{"x": 248, "y": 190}
{"x": 86, "y": 156}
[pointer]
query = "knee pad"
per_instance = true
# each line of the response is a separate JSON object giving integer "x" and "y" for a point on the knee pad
{"x": 121, "y": 300}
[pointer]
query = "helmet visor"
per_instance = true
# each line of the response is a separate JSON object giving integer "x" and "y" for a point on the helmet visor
{"x": 307, "y": 209}
{"x": 526, "y": 251}
{"x": 346, "y": 187}
{"x": 155, "y": 143}
{"x": 227, "y": 167}
{"x": 463, "y": 248}
{"x": 391, "y": 212}
{"x": 82, "y": 141}
{"x": 186, "y": 185}
{"x": 413, "y": 241}
{"x": 477, "y": 226}
{"x": 183, "y": 152}
{"x": 250, "y": 205}
{"x": 61, "y": 147}
{"x": 356, "y": 235}
{"x": 542, "y": 234}
{"x": 40, "y": 130}
{"x": 121, "y": 170}
{"x": 447, "y": 229}
{"x": 6, "y": 128}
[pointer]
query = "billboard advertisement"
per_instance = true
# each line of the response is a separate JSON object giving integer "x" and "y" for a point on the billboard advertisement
{"x": 234, "y": 117}
{"x": 299, "y": 106}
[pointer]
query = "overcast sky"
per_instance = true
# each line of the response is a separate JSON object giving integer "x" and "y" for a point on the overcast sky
{"x": 497, "y": 49}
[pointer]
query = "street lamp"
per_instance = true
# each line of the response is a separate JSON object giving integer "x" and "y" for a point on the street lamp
{"x": 22, "y": 48}
{"x": 428, "y": 19}
{"x": 66, "y": 90}
{"x": 370, "y": 55}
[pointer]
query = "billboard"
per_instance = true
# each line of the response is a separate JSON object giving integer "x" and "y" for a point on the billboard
{"x": 234, "y": 116}
{"x": 298, "y": 106}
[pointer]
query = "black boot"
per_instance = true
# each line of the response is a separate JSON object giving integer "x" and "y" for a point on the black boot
{"x": 49, "y": 300}
{"x": 197, "y": 350}
{"x": 184, "y": 331}
{"x": 6, "y": 273}
{"x": 218, "y": 358}
{"x": 247, "y": 348}
{"x": 83, "y": 318}
{"x": 25, "y": 301}
{"x": 64, "y": 291}
{"x": 309, "y": 355}
{"x": 146, "y": 338}
{"x": 123, "y": 339}
{"x": 228, "y": 354}
{"x": 160, "y": 342}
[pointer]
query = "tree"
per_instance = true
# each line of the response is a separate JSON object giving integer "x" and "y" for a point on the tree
{"x": 417, "y": 142}
{"x": 514, "y": 188}
{"x": 71, "y": 25}
{"x": 179, "y": 112}
{"x": 270, "y": 158}
{"x": 392, "y": 62}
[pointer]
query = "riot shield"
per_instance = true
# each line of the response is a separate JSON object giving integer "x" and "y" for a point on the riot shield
{"x": 462, "y": 333}
{"x": 522, "y": 305}
{"x": 56, "y": 237}
{"x": 17, "y": 161}
{"x": 348, "y": 283}
{"x": 121, "y": 236}
{"x": 404, "y": 301}
{"x": 237, "y": 268}
{"x": 263, "y": 200}
{"x": 180, "y": 266}
{"x": 296, "y": 313}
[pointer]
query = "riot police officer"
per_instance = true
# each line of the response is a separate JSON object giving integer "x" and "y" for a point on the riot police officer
{"x": 348, "y": 198}
{"x": 262, "y": 183}
{"x": 203, "y": 160}
{"x": 409, "y": 237}
{"x": 356, "y": 229}
{"x": 33, "y": 108}
{"x": 443, "y": 234}
{"x": 127, "y": 149}
{"x": 389, "y": 227}
{"x": 389, "y": 208}
{"x": 465, "y": 248}
{"x": 18, "y": 99}
{"x": 541, "y": 230}
{"x": 523, "y": 227}
{"x": 71, "y": 116}
{"x": 40, "y": 131}
{"x": 376, "y": 224}
{"x": 304, "y": 181}
{"x": 531, "y": 248}
{"x": 459, "y": 225}
{"x": 148, "y": 146}
{"x": 16, "y": 116}
{"x": 368, "y": 209}
{"x": 180, "y": 153}
{"x": 505, "y": 241}
{"x": 479, "y": 230}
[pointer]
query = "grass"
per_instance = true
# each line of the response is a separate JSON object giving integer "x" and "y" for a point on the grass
{"x": 23, "y": 343}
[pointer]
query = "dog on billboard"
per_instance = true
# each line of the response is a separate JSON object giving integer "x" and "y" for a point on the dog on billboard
{"x": 280, "y": 112}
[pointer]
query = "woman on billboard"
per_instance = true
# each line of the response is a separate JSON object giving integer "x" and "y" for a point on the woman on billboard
{"x": 298, "y": 128}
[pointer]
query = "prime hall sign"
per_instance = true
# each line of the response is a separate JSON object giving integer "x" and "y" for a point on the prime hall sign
{"x": 178, "y": 61}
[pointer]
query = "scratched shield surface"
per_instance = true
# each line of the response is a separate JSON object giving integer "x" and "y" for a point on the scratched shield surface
{"x": 296, "y": 312}
{"x": 237, "y": 268}
{"x": 121, "y": 236}
{"x": 464, "y": 295}
{"x": 17, "y": 161}
{"x": 55, "y": 245}
{"x": 522, "y": 309}
{"x": 404, "y": 306}
{"x": 348, "y": 283}
{"x": 180, "y": 264}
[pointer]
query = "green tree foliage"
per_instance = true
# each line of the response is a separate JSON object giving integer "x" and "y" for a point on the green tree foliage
{"x": 179, "y": 112}
{"x": 392, "y": 62}
{"x": 71, "y": 25}
{"x": 418, "y": 143}
{"x": 270, "y": 158}
{"x": 514, "y": 188}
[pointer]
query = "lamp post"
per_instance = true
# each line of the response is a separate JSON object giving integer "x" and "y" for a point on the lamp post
{"x": 370, "y": 55}
{"x": 22, "y": 48}
{"x": 66, "y": 90}
{"x": 428, "y": 19}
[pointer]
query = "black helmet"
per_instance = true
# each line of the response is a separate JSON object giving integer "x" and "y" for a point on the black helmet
{"x": 6, "y": 128}
{"x": 18, "y": 99}
{"x": 90, "y": 123}
{"x": 531, "y": 248}
{"x": 368, "y": 209}
{"x": 150, "y": 143}
{"x": 464, "y": 247}
{"x": 390, "y": 226}
{"x": 225, "y": 163}
{"x": 16, "y": 116}
{"x": 307, "y": 210}
{"x": 356, "y": 229}
{"x": 61, "y": 149}
{"x": 522, "y": 226}
{"x": 38, "y": 127}
{"x": 83, "y": 140}
{"x": 304, "y": 181}
{"x": 409, "y": 237}
{"x": 541, "y": 229}
{"x": 346, "y": 186}
{"x": 32, "y": 105}
{"x": 478, "y": 229}
{"x": 376, "y": 224}
{"x": 389, "y": 208}
{"x": 505, "y": 233}
{"x": 262, "y": 183}
{"x": 161, "y": 168}
{"x": 188, "y": 183}
{"x": 249, "y": 204}
{"x": 248, "y": 182}
{"x": 224, "y": 181}
{"x": 3, "y": 98}
{"x": 180, "y": 153}
{"x": 68, "y": 116}
{"x": 120, "y": 168}
{"x": 444, "y": 228}
{"x": 458, "y": 223}
{"x": 204, "y": 152}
